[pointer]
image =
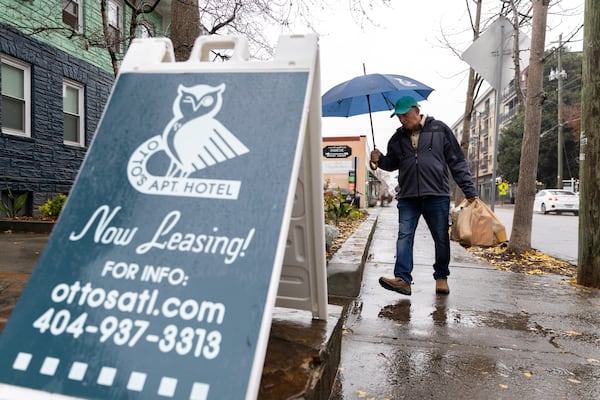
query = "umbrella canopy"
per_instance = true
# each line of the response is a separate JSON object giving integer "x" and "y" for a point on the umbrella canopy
{"x": 370, "y": 93}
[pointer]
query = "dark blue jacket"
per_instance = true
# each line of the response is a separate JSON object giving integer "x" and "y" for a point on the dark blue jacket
{"x": 424, "y": 172}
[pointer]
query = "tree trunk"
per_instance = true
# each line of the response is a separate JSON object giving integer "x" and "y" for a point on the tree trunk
{"x": 588, "y": 270}
{"x": 471, "y": 85}
{"x": 520, "y": 237}
{"x": 185, "y": 27}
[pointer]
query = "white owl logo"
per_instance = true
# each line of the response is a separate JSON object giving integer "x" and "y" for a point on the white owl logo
{"x": 194, "y": 139}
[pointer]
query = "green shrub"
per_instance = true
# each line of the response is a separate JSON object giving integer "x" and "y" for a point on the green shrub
{"x": 11, "y": 210}
{"x": 355, "y": 213}
{"x": 336, "y": 208}
{"x": 53, "y": 207}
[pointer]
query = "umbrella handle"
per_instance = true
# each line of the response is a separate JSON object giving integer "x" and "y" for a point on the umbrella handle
{"x": 374, "y": 164}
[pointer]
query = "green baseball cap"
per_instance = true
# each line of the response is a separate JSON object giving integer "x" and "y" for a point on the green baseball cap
{"x": 404, "y": 104}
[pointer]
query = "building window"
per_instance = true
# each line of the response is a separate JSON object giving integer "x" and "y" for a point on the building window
{"x": 71, "y": 13}
{"x": 16, "y": 97}
{"x": 115, "y": 19}
{"x": 73, "y": 118}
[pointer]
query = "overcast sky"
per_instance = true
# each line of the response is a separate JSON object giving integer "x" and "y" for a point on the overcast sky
{"x": 408, "y": 41}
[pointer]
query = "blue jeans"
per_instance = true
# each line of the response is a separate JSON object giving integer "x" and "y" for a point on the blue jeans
{"x": 435, "y": 211}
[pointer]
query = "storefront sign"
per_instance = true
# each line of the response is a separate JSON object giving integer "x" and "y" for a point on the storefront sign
{"x": 341, "y": 151}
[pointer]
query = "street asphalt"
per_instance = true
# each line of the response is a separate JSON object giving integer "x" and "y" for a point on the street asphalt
{"x": 497, "y": 335}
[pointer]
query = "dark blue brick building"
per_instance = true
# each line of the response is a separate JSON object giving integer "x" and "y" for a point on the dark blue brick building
{"x": 50, "y": 108}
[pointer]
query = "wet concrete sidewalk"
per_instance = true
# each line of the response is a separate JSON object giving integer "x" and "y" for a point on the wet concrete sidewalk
{"x": 498, "y": 335}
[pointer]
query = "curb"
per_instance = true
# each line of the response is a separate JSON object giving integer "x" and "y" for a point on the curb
{"x": 345, "y": 269}
{"x": 303, "y": 355}
{"x": 26, "y": 226}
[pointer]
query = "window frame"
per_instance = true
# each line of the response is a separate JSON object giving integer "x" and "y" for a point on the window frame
{"x": 81, "y": 106}
{"x": 117, "y": 46}
{"x": 26, "y": 68}
{"x": 79, "y": 15}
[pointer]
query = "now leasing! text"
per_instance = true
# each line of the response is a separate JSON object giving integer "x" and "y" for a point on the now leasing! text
{"x": 166, "y": 236}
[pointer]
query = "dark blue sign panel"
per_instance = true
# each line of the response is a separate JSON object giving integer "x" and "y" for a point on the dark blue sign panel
{"x": 154, "y": 281}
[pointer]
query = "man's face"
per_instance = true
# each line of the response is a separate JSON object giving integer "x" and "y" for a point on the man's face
{"x": 411, "y": 119}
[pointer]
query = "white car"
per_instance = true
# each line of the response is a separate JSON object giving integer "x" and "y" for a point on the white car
{"x": 556, "y": 200}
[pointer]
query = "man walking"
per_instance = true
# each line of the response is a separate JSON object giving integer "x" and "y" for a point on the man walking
{"x": 423, "y": 149}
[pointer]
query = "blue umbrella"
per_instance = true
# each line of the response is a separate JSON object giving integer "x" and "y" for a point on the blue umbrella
{"x": 370, "y": 93}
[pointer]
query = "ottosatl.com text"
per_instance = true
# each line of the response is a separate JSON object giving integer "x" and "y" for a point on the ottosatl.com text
{"x": 145, "y": 304}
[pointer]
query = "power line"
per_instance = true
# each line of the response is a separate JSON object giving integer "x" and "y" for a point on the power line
{"x": 556, "y": 126}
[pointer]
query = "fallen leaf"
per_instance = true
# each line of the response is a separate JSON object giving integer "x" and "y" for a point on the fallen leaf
{"x": 361, "y": 393}
{"x": 535, "y": 272}
{"x": 574, "y": 380}
{"x": 503, "y": 386}
{"x": 528, "y": 374}
{"x": 531, "y": 262}
{"x": 574, "y": 333}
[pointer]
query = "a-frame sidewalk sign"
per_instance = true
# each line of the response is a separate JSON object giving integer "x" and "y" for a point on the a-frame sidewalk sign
{"x": 202, "y": 190}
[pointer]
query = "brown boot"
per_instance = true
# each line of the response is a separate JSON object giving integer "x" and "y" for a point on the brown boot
{"x": 441, "y": 286}
{"x": 396, "y": 285}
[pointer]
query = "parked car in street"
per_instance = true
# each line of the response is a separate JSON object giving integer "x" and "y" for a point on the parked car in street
{"x": 556, "y": 200}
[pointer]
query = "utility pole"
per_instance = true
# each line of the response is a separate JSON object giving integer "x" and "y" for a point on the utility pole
{"x": 477, "y": 114}
{"x": 478, "y": 141}
{"x": 498, "y": 88}
{"x": 560, "y": 75}
{"x": 561, "y": 72}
